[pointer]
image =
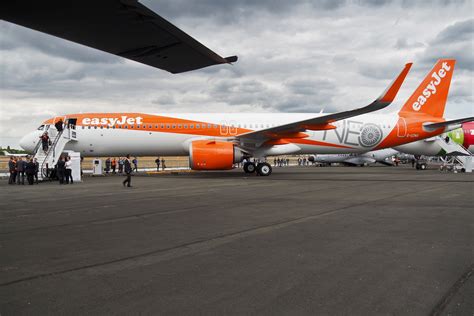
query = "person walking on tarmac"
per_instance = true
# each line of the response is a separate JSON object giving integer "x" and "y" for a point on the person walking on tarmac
{"x": 12, "y": 170}
{"x": 30, "y": 172}
{"x": 127, "y": 164}
{"x": 61, "y": 170}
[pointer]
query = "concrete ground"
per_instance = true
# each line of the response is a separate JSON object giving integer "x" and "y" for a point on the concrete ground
{"x": 337, "y": 240}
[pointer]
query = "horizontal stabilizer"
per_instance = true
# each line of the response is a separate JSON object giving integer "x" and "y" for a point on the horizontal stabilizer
{"x": 429, "y": 127}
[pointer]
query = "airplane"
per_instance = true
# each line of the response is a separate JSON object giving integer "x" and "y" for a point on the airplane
{"x": 463, "y": 136}
{"x": 125, "y": 28}
{"x": 217, "y": 141}
{"x": 6, "y": 153}
{"x": 361, "y": 159}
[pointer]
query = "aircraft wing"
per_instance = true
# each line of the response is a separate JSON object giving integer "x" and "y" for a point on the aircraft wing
{"x": 295, "y": 129}
{"x": 6, "y": 153}
{"x": 121, "y": 27}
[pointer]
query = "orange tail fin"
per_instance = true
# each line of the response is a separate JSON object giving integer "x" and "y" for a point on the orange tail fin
{"x": 431, "y": 95}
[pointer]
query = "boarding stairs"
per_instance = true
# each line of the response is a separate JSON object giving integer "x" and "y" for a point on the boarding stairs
{"x": 48, "y": 160}
{"x": 459, "y": 154}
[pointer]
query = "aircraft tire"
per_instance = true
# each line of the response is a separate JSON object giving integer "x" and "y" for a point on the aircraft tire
{"x": 264, "y": 169}
{"x": 249, "y": 167}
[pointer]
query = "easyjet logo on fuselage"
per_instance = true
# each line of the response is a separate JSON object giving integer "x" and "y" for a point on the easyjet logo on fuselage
{"x": 111, "y": 121}
{"x": 431, "y": 87}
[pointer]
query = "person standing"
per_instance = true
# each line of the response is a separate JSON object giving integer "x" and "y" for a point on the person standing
{"x": 157, "y": 161}
{"x": 135, "y": 164}
{"x": 30, "y": 171}
{"x": 163, "y": 166}
{"x": 114, "y": 165}
{"x": 59, "y": 125}
{"x": 20, "y": 168}
{"x": 128, "y": 171}
{"x": 35, "y": 161}
{"x": 120, "y": 165}
{"x": 68, "y": 165}
{"x": 61, "y": 169}
{"x": 12, "y": 170}
{"x": 108, "y": 164}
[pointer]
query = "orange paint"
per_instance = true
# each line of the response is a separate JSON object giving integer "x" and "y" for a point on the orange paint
{"x": 211, "y": 155}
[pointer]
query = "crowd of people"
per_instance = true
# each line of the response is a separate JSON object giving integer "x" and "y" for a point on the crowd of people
{"x": 20, "y": 168}
{"x": 117, "y": 165}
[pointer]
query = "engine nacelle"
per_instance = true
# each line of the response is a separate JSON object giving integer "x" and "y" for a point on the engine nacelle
{"x": 213, "y": 155}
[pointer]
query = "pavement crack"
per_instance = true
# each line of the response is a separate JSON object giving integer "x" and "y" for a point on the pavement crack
{"x": 446, "y": 299}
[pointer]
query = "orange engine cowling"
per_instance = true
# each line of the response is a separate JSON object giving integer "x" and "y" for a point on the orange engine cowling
{"x": 213, "y": 155}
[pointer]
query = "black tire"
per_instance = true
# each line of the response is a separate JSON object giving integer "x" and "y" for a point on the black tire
{"x": 264, "y": 169}
{"x": 249, "y": 167}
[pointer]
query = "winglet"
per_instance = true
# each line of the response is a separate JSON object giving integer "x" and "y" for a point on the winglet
{"x": 231, "y": 59}
{"x": 391, "y": 92}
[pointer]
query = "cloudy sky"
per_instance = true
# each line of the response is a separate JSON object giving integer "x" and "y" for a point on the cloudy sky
{"x": 294, "y": 56}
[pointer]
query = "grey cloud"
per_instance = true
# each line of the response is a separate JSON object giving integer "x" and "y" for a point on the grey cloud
{"x": 454, "y": 41}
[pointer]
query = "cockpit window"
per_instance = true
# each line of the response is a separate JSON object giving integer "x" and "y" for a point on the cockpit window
{"x": 41, "y": 128}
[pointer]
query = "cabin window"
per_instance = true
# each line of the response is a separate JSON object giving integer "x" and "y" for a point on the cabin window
{"x": 149, "y": 126}
{"x": 185, "y": 125}
{"x": 198, "y": 126}
{"x": 180, "y": 126}
{"x": 167, "y": 126}
{"x": 191, "y": 125}
{"x": 173, "y": 126}
{"x": 215, "y": 126}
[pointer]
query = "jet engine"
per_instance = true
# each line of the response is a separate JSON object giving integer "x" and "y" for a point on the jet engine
{"x": 213, "y": 155}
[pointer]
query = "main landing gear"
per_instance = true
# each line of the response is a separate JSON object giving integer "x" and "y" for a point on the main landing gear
{"x": 262, "y": 168}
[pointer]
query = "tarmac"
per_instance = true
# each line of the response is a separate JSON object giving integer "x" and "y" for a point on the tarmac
{"x": 305, "y": 240}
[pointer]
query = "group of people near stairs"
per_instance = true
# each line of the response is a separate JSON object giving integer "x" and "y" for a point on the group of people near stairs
{"x": 19, "y": 168}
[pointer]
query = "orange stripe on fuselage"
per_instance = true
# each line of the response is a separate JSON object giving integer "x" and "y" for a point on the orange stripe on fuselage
{"x": 153, "y": 123}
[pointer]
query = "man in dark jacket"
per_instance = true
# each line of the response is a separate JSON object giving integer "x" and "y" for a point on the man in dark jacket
{"x": 127, "y": 165}
{"x": 20, "y": 167}
{"x": 35, "y": 161}
{"x": 59, "y": 125}
{"x": 61, "y": 170}
{"x": 12, "y": 170}
{"x": 45, "y": 141}
{"x": 30, "y": 171}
